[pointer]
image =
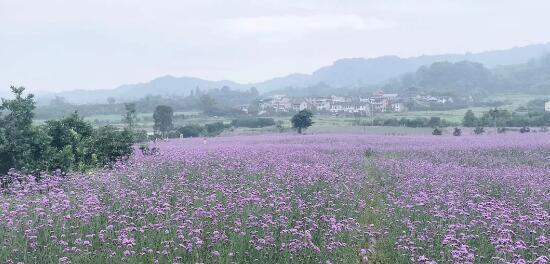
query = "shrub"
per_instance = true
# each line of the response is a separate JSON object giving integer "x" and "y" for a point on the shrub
{"x": 140, "y": 136}
{"x": 479, "y": 130}
{"x": 190, "y": 131}
{"x": 145, "y": 150}
{"x": 457, "y": 132}
{"x": 66, "y": 144}
{"x": 214, "y": 129}
{"x": 109, "y": 144}
{"x": 437, "y": 132}
{"x": 525, "y": 130}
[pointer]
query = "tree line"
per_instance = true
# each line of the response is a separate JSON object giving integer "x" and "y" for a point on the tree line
{"x": 220, "y": 102}
{"x": 504, "y": 118}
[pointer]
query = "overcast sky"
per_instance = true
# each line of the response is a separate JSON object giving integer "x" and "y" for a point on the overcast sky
{"x": 74, "y": 44}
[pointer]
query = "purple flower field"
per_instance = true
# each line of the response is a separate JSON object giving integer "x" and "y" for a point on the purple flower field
{"x": 294, "y": 199}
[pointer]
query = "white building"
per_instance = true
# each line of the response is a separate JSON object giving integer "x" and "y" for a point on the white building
{"x": 547, "y": 106}
{"x": 299, "y": 105}
{"x": 243, "y": 108}
{"x": 319, "y": 103}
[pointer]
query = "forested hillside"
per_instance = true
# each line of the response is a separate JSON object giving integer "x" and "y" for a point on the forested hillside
{"x": 471, "y": 78}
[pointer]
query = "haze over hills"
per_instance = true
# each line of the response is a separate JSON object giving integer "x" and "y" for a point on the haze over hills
{"x": 353, "y": 72}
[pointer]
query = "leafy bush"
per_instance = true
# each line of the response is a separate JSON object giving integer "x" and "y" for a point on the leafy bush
{"x": 214, "y": 129}
{"x": 479, "y": 130}
{"x": 437, "y": 132}
{"x": 140, "y": 136}
{"x": 525, "y": 130}
{"x": 109, "y": 144}
{"x": 190, "y": 131}
{"x": 457, "y": 132}
{"x": 66, "y": 144}
{"x": 145, "y": 150}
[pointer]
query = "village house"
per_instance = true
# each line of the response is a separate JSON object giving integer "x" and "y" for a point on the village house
{"x": 243, "y": 108}
{"x": 379, "y": 102}
{"x": 299, "y": 105}
{"x": 547, "y": 106}
{"x": 319, "y": 103}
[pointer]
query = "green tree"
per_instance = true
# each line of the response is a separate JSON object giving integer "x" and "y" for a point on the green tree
{"x": 163, "y": 119}
{"x": 16, "y": 129}
{"x": 302, "y": 120}
{"x": 494, "y": 114}
{"x": 109, "y": 144}
{"x": 434, "y": 122}
{"x": 207, "y": 104}
{"x": 470, "y": 119}
{"x": 130, "y": 116}
{"x": 69, "y": 136}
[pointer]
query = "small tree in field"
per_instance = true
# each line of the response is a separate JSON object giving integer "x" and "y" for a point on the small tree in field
{"x": 470, "y": 119}
{"x": 302, "y": 120}
{"x": 130, "y": 116}
{"x": 163, "y": 119}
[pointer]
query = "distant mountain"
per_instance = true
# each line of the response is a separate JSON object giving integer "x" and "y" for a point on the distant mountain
{"x": 360, "y": 71}
{"x": 472, "y": 78}
{"x": 354, "y": 72}
{"x": 166, "y": 85}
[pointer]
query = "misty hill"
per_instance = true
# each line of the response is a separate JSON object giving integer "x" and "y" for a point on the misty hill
{"x": 532, "y": 77}
{"x": 344, "y": 73}
{"x": 472, "y": 78}
{"x": 166, "y": 85}
{"x": 360, "y": 71}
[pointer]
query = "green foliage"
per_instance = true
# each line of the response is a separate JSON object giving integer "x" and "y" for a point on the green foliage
{"x": 214, "y": 129}
{"x": 479, "y": 130}
{"x": 209, "y": 130}
{"x": 67, "y": 144}
{"x": 130, "y": 116}
{"x": 524, "y": 130}
{"x": 470, "y": 119}
{"x": 191, "y": 131}
{"x": 532, "y": 77}
{"x": 504, "y": 118}
{"x": 437, "y": 132}
{"x": 434, "y": 122}
{"x": 253, "y": 122}
{"x": 207, "y": 104}
{"x": 16, "y": 130}
{"x": 163, "y": 119}
{"x": 410, "y": 122}
{"x": 109, "y": 144}
{"x": 140, "y": 136}
{"x": 457, "y": 132}
{"x": 302, "y": 120}
{"x": 473, "y": 79}
{"x": 467, "y": 78}
{"x": 145, "y": 150}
